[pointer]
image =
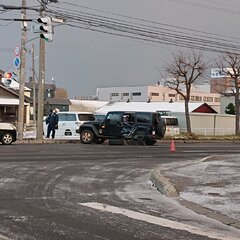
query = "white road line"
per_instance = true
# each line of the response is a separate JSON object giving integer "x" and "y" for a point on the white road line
{"x": 156, "y": 220}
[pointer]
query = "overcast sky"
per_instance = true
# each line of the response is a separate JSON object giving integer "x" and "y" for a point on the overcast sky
{"x": 81, "y": 60}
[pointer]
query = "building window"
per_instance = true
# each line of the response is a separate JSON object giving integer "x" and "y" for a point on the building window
{"x": 199, "y": 99}
{"x": 154, "y": 94}
{"x": 216, "y": 99}
{"x": 125, "y": 94}
{"x": 171, "y": 95}
{"x": 208, "y": 99}
{"x": 115, "y": 94}
{"x": 196, "y": 98}
{"x": 137, "y": 94}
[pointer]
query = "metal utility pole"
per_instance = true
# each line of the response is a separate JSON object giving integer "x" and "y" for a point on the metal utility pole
{"x": 41, "y": 83}
{"x": 22, "y": 73}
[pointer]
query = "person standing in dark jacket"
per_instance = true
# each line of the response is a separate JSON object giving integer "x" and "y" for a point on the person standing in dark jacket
{"x": 52, "y": 121}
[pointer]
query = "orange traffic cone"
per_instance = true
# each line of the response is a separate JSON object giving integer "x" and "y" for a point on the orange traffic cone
{"x": 172, "y": 146}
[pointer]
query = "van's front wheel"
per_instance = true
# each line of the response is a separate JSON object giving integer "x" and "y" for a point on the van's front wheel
{"x": 87, "y": 136}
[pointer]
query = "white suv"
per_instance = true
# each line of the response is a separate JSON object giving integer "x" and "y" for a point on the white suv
{"x": 69, "y": 123}
{"x": 8, "y": 133}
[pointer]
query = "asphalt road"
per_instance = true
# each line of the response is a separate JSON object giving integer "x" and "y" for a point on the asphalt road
{"x": 92, "y": 192}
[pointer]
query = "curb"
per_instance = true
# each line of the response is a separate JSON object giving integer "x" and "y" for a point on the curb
{"x": 163, "y": 184}
{"x": 210, "y": 213}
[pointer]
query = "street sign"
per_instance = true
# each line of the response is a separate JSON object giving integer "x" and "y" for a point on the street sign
{"x": 17, "y": 51}
{"x": 16, "y": 62}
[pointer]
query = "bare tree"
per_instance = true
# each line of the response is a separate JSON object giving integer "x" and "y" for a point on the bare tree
{"x": 229, "y": 66}
{"x": 182, "y": 72}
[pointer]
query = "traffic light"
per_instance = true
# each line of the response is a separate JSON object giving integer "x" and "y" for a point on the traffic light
{"x": 7, "y": 75}
{"x": 46, "y": 28}
{"x": 7, "y": 80}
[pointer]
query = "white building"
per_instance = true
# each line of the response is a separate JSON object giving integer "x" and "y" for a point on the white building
{"x": 157, "y": 93}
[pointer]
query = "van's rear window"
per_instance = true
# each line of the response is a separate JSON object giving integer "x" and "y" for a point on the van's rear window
{"x": 67, "y": 117}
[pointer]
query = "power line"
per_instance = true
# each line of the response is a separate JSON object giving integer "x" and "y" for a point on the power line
{"x": 157, "y": 34}
{"x": 144, "y": 20}
{"x": 166, "y": 41}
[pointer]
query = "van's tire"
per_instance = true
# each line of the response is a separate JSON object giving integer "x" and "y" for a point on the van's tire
{"x": 87, "y": 136}
{"x": 7, "y": 138}
{"x": 99, "y": 140}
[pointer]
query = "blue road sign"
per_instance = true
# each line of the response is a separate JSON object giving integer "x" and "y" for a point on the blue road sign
{"x": 17, "y": 62}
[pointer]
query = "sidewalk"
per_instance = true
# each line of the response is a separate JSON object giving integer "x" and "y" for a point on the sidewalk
{"x": 209, "y": 186}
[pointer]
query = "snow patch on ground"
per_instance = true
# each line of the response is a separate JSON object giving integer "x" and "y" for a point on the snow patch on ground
{"x": 212, "y": 184}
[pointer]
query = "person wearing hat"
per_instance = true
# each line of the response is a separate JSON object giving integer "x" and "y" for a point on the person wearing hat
{"x": 52, "y": 121}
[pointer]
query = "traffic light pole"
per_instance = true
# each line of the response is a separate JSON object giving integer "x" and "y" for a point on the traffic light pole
{"x": 22, "y": 73}
{"x": 41, "y": 83}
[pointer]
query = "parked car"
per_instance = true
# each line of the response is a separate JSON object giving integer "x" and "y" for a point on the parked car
{"x": 69, "y": 122}
{"x": 139, "y": 127}
{"x": 172, "y": 126}
{"x": 8, "y": 133}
